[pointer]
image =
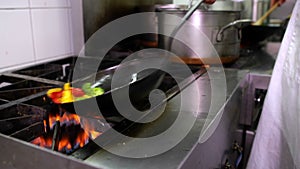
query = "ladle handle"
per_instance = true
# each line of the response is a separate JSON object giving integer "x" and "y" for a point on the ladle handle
{"x": 261, "y": 19}
{"x": 190, "y": 4}
{"x": 189, "y": 13}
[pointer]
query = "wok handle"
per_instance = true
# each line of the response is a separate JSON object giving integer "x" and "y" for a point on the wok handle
{"x": 101, "y": 81}
{"x": 238, "y": 23}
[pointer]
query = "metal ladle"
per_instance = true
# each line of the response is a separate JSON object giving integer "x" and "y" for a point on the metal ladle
{"x": 192, "y": 9}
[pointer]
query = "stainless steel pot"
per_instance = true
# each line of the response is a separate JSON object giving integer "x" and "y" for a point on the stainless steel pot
{"x": 221, "y": 27}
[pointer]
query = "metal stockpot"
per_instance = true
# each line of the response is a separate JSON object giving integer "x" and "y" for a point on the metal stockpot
{"x": 222, "y": 28}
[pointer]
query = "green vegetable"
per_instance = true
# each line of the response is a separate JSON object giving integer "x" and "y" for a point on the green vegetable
{"x": 97, "y": 91}
{"x": 86, "y": 87}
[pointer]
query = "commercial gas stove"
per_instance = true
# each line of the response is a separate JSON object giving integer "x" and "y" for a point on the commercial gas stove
{"x": 28, "y": 123}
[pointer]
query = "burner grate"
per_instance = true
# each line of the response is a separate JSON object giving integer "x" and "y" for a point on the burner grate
{"x": 22, "y": 121}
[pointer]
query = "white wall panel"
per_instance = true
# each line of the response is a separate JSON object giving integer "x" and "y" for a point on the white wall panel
{"x": 14, "y": 4}
{"x": 49, "y": 3}
{"x": 36, "y": 31}
{"x": 76, "y": 15}
{"x": 16, "y": 46}
{"x": 52, "y": 36}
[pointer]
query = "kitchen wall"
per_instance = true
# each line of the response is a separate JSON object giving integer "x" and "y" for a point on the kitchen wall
{"x": 35, "y": 31}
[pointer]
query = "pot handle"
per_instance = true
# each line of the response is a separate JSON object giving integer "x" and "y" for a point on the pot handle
{"x": 238, "y": 23}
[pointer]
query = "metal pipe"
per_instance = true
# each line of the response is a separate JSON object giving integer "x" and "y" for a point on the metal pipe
{"x": 55, "y": 139}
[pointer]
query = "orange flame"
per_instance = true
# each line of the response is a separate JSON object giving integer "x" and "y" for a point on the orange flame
{"x": 65, "y": 144}
{"x": 82, "y": 138}
{"x": 94, "y": 134}
{"x": 45, "y": 124}
{"x": 66, "y": 118}
{"x": 43, "y": 142}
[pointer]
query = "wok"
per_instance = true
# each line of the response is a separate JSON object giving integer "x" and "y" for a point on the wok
{"x": 140, "y": 86}
{"x": 252, "y": 35}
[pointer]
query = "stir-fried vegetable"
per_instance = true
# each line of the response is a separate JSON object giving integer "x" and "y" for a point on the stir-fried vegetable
{"x": 69, "y": 94}
{"x": 92, "y": 91}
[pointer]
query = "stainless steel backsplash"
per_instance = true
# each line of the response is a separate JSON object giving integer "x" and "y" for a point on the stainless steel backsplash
{"x": 99, "y": 12}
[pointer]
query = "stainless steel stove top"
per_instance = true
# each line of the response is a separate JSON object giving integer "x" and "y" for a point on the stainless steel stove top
{"x": 25, "y": 89}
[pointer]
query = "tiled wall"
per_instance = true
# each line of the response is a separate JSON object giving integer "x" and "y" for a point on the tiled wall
{"x": 34, "y": 31}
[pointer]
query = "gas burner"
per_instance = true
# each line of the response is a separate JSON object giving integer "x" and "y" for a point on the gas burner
{"x": 64, "y": 133}
{"x": 26, "y": 112}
